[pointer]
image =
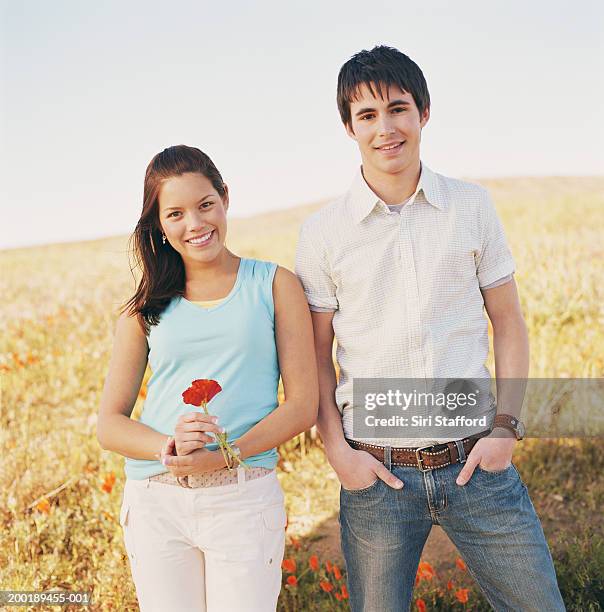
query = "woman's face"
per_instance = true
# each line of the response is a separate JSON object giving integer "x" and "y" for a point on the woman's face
{"x": 192, "y": 215}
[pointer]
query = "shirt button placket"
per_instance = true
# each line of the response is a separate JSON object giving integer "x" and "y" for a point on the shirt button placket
{"x": 411, "y": 297}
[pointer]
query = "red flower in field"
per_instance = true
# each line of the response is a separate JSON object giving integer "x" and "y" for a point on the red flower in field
{"x": 108, "y": 483}
{"x": 201, "y": 392}
{"x": 462, "y": 595}
{"x": 326, "y": 586}
{"x": 338, "y": 596}
{"x": 461, "y": 564}
{"x": 421, "y": 605}
{"x": 344, "y": 591}
{"x": 328, "y": 567}
{"x": 289, "y": 565}
{"x": 424, "y": 572}
{"x": 450, "y": 585}
{"x": 336, "y": 573}
{"x": 313, "y": 562}
{"x": 292, "y": 581}
{"x": 43, "y": 506}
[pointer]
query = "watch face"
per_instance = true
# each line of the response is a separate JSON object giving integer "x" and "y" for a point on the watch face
{"x": 521, "y": 429}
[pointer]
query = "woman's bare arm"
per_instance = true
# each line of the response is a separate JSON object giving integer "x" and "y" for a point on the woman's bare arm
{"x": 116, "y": 431}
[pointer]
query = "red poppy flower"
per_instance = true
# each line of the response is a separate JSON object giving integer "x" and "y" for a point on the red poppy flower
{"x": 292, "y": 581}
{"x": 344, "y": 591}
{"x": 326, "y": 586}
{"x": 462, "y": 595}
{"x": 461, "y": 564}
{"x": 108, "y": 482}
{"x": 336, "y": 573}
{"x": 424, "y": 572}
{"x": 421, "y": 605}
{"x": 289, "y": 565}
{"x": 313, "y": 562}
{"x": 201, "y": 392}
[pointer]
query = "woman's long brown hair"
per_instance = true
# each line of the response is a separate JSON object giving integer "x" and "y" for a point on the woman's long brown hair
{"x": 163, "y": 271}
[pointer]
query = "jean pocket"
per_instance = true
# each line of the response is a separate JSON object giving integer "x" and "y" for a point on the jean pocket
{"x": 126, "y": 525}
{"x": 274, "y": 519}
{"x": 363, "y": 490}
{"x": 495, "y": 472}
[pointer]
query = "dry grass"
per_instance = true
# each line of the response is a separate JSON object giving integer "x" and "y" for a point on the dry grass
{"x": 59, "y": 304}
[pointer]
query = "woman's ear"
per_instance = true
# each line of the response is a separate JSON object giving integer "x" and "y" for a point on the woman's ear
{"x": 225, "y": 199}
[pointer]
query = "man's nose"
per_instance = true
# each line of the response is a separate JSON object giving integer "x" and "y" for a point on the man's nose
{"x": 385, "y": 125}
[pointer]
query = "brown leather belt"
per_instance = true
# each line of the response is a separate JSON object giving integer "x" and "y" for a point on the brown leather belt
{"x": 424, "y": 458}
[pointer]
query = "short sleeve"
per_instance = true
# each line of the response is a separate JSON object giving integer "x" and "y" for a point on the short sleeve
{"x": 313, "y": 271}
{"x": 494, "y": 261}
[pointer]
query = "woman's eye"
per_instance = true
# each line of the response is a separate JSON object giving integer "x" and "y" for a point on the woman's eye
{"x": 206, "y": 204}
{"x": 176, "y": 212}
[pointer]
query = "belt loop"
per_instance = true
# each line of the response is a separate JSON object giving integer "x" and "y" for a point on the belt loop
{"x": 240, "y": 479}
{"x": 460, "y": 451}
{"x": 388, "y": 457}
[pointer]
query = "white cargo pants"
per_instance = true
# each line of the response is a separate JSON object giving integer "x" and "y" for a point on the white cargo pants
{"x": 206, "y": 549}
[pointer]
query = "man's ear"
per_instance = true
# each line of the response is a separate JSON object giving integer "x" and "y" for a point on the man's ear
{"x": 225, "y": 199}
{"x": 350, "y": 131}
{"x": 425, "y": 117}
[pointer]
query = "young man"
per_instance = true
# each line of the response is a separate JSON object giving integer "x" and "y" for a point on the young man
{"x": 400, "y": 268}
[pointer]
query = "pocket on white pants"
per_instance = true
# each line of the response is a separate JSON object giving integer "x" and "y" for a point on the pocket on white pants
{"x": 126, "y": 524}
{"x": 274, "y": 519}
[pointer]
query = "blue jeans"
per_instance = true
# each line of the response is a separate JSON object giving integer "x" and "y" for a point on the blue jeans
{"x": 491, "y": 521}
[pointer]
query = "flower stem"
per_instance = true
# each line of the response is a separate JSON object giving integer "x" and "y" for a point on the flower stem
{"x": 225, "y": 448}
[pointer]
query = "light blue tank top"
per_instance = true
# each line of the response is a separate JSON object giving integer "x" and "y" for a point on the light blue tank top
{"x": 232, "y": 343}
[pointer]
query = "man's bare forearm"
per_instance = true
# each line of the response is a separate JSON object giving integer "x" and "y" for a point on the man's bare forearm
{"x": 121, "y": 434}
{"x": 511, "y": 349}
{"x": 329, "y": 421}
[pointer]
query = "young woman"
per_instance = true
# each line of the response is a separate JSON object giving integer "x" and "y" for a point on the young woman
{"x": 198, "y": 535}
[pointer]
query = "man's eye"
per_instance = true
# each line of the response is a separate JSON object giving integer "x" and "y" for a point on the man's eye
{"x": 399, "y": 109}
{"x": 370, "y": 116}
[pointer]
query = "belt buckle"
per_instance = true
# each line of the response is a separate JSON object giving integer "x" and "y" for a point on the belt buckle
{"x": 420, "y": 461}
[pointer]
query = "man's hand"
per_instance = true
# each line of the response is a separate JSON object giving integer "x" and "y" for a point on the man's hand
{"x": 492, "y": 454}
{"x": 357, "y": 469}
{"x": 189, "y": 433}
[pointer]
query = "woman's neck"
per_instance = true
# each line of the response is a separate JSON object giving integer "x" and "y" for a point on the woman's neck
{"x": 205, "y": 279}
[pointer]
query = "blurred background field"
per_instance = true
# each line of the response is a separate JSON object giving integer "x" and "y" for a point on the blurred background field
{"x": 60, "y": 493}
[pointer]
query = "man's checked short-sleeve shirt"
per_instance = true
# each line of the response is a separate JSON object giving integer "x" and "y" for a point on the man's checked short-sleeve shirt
{"x": 405, "y": 288}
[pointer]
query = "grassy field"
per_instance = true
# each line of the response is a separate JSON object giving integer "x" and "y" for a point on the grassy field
{"x": 60, "y": 493}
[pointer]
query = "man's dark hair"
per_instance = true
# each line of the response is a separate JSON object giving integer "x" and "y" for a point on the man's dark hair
{"x": 381, "y": 67}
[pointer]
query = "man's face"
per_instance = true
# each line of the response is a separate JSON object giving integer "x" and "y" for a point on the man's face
{"x": 387, "y": 131}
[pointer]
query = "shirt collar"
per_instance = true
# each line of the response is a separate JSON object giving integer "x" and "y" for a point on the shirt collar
{"x": 363, "y": 200}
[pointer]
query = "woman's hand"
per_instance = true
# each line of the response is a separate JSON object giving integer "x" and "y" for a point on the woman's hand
{"x": 190, "y": 431}
{"x": 195, "y": 462}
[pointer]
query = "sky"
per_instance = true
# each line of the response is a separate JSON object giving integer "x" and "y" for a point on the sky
{"x": 90, "y": 91}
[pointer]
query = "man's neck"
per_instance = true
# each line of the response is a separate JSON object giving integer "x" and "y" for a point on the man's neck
{"x": 393, "y": 188}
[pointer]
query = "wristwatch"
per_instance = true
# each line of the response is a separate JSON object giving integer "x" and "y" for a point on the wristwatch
{"x": 507, "y": 421}
{"x": 237, "y": 452}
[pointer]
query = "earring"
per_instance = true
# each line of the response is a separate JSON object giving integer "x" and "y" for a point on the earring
{"x": 163, "y": 239}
